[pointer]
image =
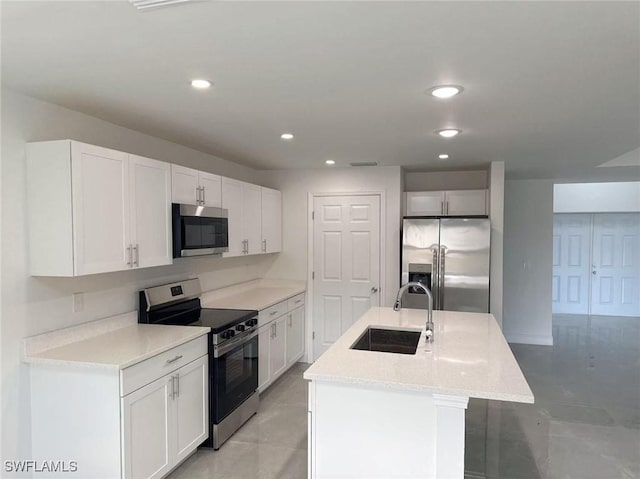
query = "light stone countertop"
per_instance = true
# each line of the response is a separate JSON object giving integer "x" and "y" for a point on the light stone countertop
{"x": 114, "y": 349}
{"x": 469, "y": 357}
{"x": 257, "y": 295}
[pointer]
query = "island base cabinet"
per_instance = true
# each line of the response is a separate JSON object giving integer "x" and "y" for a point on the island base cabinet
{"x": 362, "y": 431}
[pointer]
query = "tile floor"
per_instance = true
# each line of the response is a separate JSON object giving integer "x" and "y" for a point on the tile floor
{"x": 585, "y": 423}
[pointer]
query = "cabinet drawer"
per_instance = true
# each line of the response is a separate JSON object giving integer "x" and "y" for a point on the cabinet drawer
{"x": 295, "y": 302}
{"x": 147, "y": 371}
{"x": 272, "y": 312}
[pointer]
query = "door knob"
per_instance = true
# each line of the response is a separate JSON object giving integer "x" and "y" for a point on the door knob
{"x": 374, "y": 290}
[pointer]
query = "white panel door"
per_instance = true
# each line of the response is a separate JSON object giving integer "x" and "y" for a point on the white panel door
{"x": 211, "y": 186}
{"x": 184, "y": 185}
{"x": 571, "y": 263}
{"x": 147, "y": 434}
{"x": 271, "y": 221}
{"x": 616, "y": 265}
{"x": 346, "y": 264}
{"x": 232, "y": 202}
{"x": 150, "y": 195}
{"x": 192, "y": 406}
{"x": 252, "y": 217}
{"x": 100, "y": 190}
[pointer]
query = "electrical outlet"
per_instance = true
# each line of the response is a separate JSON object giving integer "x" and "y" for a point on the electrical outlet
{"x": 78, "y": 302}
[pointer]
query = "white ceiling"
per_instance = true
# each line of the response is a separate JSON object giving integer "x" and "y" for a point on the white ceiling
{"x": 551, "y": 88}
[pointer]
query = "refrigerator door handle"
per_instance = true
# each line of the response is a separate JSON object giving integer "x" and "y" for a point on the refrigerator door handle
{"x": 435, "y": 279}
{"x": 441, "y": 271}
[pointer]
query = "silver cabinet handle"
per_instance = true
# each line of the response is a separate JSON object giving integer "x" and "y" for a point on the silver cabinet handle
{"x": 446, "y": 208}
{"x": 197, "y": 195}
{"x": 442, "y": 207}
{"x": 136, "y": 255}
{"x": 275, "y": 330}
{"x": 169, "y": 361}
{"x": 264, "y": 245}
{"x": 271, "y": 335}
{"x": 246, "y": 246}
{"x": 204, "y": 200}
{"x": 297, "y": 301}
{"x": 273, "y": 312}
{"x": 173, "y": 387}
{"x": 129, "y": 256}
{"x": 374, "y": 290}
{"x": 178, "y": 385}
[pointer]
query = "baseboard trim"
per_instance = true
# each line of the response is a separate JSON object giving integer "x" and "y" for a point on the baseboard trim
{"x": 529, "y": 339}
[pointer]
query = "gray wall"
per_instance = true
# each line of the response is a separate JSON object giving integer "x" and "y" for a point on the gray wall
{"x": 528, "y": 236}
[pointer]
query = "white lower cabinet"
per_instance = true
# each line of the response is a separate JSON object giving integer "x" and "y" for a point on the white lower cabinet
{"x": 165, "y": 421}
{"x": 135, "y": 423}
{"x": 280, "y": 339}
{"x": 295, "y": 335}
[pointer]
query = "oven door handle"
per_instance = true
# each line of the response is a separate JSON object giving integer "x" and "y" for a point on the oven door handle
{"x": 228, "y": 346}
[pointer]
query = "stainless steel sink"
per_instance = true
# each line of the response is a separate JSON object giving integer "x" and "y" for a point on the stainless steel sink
{"x": 388, "y": 341}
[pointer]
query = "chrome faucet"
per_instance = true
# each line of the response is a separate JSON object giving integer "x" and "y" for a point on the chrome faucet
{"x": 398, "y": 304}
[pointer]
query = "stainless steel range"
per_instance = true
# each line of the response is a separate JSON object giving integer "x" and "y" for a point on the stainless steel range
{"x": 233, "y": 351}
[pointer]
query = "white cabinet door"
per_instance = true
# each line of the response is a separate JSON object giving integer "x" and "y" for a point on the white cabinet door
{"x": 271, "y": 221}
{"x": 264, "y": 338}
{"x": 150, "y": 195}
{"x": 232, "y": 202}
{"x": 277, "y": 352}
{"x": 425, "y": 203}
{"x": 466, "y": 203}
{"x": 147, "y": 437}
{"x": 192, "y": 407}
{"x": 295, "y": 335}
{"x": 211, "y": 186}
{"x": 184, "y": 185}
{"x": 100, "y": 179}
{"x": 252, "y": 217}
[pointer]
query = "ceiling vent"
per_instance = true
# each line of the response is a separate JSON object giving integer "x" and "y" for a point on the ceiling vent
{"x": 146, "y": 4}
{"x": 364, "y": 163}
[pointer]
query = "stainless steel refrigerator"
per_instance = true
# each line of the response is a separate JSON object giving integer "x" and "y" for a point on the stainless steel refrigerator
{"x": 450, "y": 256}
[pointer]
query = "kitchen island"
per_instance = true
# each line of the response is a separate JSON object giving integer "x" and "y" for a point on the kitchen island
{"x": 389, "y": 415}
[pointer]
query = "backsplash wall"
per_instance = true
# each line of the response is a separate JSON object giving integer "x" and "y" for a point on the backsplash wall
{"x": 33, "y": 305}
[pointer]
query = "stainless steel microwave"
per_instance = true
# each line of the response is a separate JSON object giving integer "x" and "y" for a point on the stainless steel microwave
{"x": 199, "y": 230}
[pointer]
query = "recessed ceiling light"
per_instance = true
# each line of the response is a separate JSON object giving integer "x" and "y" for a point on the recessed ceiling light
{"x": 200, "y": 84}
{"x": 445, "y": 91}
{"x": 330, "y": 162}
{"x": 287, "y": 136}
{"x": 443, "y": 156}
{"x": 448, "y": 132}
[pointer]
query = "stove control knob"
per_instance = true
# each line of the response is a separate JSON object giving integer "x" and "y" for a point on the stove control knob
{"x": 252, "y": 322}
{"x": 240, "y": 327}
{"x": 229, "y": 333}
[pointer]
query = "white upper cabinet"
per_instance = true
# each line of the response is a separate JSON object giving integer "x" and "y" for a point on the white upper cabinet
{"x": 150, "y": 187}
{"x": 243, "y": 204}
{"x": 95, "y": 210}
{"x": 193, "y": 187}
{"x": 271, "y": 221}
{"x": 467, "y": 203}
{"x": 425, "y": 203}
{"x": 447, "y": 203}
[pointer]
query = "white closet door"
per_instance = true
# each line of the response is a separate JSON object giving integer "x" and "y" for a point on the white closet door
{"x": 616, "y": 264}
{"x": 346, "y": 263}
{"x": 571, "y": 264}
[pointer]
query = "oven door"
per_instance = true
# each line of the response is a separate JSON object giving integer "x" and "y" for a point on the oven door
{"x": 234, "y": 374}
